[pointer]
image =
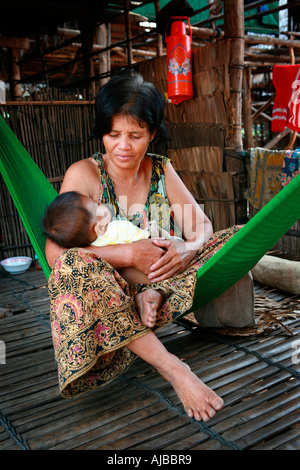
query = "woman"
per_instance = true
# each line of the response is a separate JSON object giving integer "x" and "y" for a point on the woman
{"x": 96, "y": 329}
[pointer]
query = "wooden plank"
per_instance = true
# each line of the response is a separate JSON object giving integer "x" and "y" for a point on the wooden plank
{"x": 231, "y": 415}
{"x": 120, "y": 434}
{"x": 12, "y": 382}
{"x": 15, "y": 42}
{"x": 257, "y": 418}
{"x": 40, "y": 441}
{"x": 280, "y": 424}
{"x": 289, "y": 440}
{"x": 45, "y": 415}
{"x": 188, "y": 442}
{"x": 156, "y": 430}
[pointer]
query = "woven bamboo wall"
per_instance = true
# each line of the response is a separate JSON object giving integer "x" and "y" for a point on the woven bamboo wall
{"x": 198, "y": 129}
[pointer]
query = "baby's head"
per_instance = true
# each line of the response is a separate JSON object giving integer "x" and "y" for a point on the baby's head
{"x": 75, "y": 220}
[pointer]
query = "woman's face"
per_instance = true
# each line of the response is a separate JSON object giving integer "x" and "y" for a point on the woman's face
{"x": 127, "y": 142}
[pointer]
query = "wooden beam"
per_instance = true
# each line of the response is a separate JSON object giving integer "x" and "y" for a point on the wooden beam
{"x": 271, "y": 41}
{"x": 261, "y": 114}
{"x": 18, "y": 43}
{"x": 138, "y": 52}
{"x": 277, "y": 139}
{"x": 48, "y": 103}
{"x": 262, "y": 108}
{"x": 206, "y": 33}
{"x": 273, "y": 10}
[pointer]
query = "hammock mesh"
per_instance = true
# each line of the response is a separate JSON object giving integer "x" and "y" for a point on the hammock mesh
{"x": 28, "y": 187}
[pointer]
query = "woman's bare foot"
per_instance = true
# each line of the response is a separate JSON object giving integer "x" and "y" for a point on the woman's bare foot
{"x": 199, "y": 401}
{"x": 148, "y": 303}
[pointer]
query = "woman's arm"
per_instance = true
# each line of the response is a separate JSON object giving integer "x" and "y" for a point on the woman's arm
{"x": 141, "y": 254}
{"x": 195, "y": 226}
{"x": 117, "y": 256}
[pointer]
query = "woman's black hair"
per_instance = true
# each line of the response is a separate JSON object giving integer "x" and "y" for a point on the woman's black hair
{"x": 127, "y": 93}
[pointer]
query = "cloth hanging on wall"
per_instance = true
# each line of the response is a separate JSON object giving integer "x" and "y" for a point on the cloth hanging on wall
{"x": 265, "y": 175}
{"x": 270, "y": 172}
{"x": 286, "y": 109}
{"x": 291, "y": 166}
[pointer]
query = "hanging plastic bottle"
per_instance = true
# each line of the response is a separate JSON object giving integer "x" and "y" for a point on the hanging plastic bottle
{"x": 179, "y": 60}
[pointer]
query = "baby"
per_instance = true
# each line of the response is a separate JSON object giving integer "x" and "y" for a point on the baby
{"x": 74, "y": 220}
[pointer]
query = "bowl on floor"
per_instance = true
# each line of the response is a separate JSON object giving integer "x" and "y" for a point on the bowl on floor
{"x": 17, "y": 264}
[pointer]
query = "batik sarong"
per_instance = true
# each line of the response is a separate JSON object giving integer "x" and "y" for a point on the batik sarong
{"x": 94, "y": 316}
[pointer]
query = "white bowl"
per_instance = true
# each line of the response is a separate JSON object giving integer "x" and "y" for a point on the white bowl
{"x": 16, "y": 265}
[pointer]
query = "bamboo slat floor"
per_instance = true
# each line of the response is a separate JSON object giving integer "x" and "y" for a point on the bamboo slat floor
{"x": 257, "y": 376}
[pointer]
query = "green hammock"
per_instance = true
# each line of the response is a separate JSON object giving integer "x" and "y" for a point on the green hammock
{"x": 32, "y": 192}
{"x": 29, "y": 189}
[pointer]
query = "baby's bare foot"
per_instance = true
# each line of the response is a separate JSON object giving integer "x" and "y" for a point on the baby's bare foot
{"x": 199, "y": 401}
{"x": 148, "y": 303}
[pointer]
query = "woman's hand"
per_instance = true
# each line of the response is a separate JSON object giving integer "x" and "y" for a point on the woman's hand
{"x": 174, "y": 260}
{"x": 144, "y": 253}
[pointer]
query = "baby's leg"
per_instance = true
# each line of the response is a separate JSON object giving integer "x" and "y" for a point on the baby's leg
{"x": 133, "y": 276}
{"x": 149, "y": 301}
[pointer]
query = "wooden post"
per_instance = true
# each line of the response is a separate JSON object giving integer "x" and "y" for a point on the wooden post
{"x": 14, "y": 74}
{"x": 234, "y": 30}
{"x": 128, "y": 32}
{"x": 159, "y": 41}
{"x": 247, "y": 109}
{"x": 86, "y": 26}
{"x": 102, "y": 36}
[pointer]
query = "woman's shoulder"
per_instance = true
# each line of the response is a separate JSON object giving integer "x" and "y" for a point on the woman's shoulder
{"x": 82, "y": 168}
{"x": 85, "y": 163}
{"x": 81, "y": 176}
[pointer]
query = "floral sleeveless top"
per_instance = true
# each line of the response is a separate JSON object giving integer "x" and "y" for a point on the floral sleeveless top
{"x": 157, "y": 206}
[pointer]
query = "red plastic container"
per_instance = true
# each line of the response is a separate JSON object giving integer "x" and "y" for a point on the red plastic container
{"x": 179, "y": 60}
